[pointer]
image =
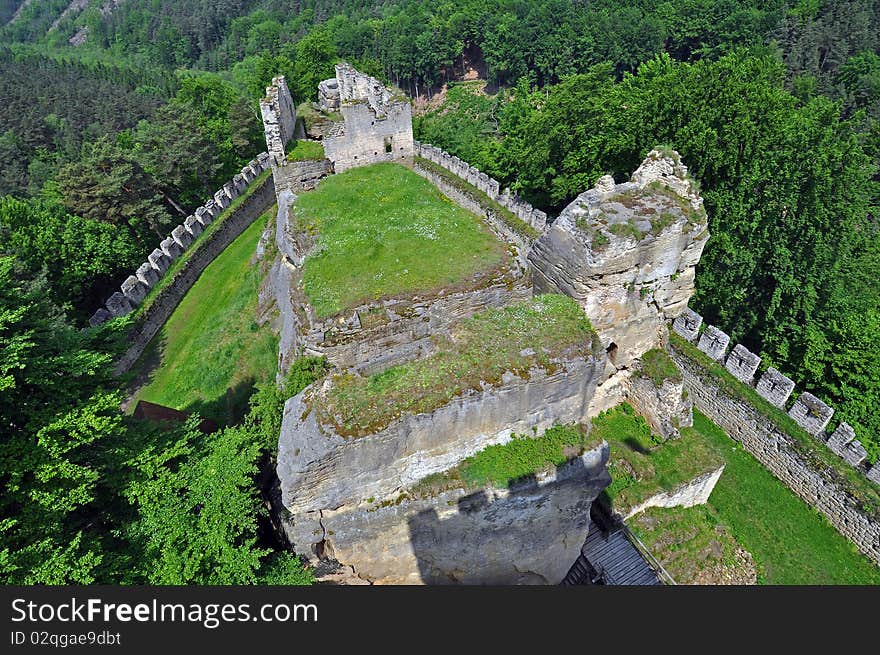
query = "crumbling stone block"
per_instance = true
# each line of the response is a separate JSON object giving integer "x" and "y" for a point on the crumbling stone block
{"x": 159, "y": 261}
{"x": 204, "y": 216}
{"x": 713, "y": 342}
{"x": 193, "y": 226}
{"x": 774, "y": 387}
{"x": 742, "y": 363}
{"x": 221, "y": 200}
{"x": 102, "y": 316}
{"x": 811, "y": 413}
{"x": 687, "y": 324}
{"x": 211, "y": 209}
{"x": 539, "y": 219}
{"x": 493, "y": 188}
{"x": 171, "y": 248}
{"x": 239, "y": 183}
{"x": 874, "y": 473}
{"x": 118, "y": 305}
{"x": 247, "y": 175}
{"x": 134, "y": 290}
{"x": 230, "y": 190}
{"x": 147, "y": 274}
{"x": 182, "y": 237}
{"x": 843, "y": 442}
{"x": 264, "y": 160}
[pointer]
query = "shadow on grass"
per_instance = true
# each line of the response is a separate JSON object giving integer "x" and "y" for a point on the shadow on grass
{"x": 228, "y": 409}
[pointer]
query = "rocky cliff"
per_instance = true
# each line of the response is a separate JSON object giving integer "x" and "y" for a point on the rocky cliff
{"x": 627, "y": 253}
{"x": 320, "y": 470}
{"x": 530, "y": 533}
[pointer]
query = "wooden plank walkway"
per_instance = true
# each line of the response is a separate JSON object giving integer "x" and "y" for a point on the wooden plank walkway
{"x": 613, "y": 558}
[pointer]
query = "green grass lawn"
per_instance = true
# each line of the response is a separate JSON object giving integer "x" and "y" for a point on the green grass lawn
{"x": 641, "y": 464}
{"x": 499, "y": 465}
{"x": 532, "y": 333}
{"x": 790, "y": 542}
{"x": 303, "y": 150}
{"x": 384, "y": 231}
{"x": 212, "y": 343}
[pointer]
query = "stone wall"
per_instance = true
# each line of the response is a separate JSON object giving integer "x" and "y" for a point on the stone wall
{"x": 279, "y": 119}
{"x": 160, "y": 309}
{"x": 470, "y": 174}
{"x": 496, "y": 223}
{"x": 377, "y": 123}
{"x": 298, "y": 176}
{"x": 320, "y": 470}
{"x": 778, "y": 451}
{"x": 528, "y": 534}
{"x": 695, "y": 492}
{"x": 136, "y": 286}
{"x": 808, "y": 411}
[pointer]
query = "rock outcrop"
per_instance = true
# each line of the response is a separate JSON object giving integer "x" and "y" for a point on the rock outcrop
{"x": 627, "y": 253}
{"x": 320, "y": 470}
{"x": 527, "y": 534}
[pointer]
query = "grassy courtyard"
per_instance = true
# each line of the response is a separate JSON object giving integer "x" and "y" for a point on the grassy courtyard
{"x": 383, "y": 231}
{"x": 211, "y": 351}
{"x": 788, "y": 541}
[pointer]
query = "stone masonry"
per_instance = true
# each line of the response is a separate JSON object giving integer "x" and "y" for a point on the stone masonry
{"x": 774, "y": 387}
{"x": 279, "y": 119}
{"x": 482, "y": 182}
{"x": 687, "y": 324}
{"x": 136, "y": 287}
{"x": 713, "y": 342}
{"x": 377, "y": 121}
{"x": 742, "y": 364}
{"x": 811, "y": 413}
{"x": 808, "y": 412}
{"x": 778, "y": 452}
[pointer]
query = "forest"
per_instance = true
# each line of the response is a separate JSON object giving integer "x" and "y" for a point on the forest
{"x": 120, "y": 118}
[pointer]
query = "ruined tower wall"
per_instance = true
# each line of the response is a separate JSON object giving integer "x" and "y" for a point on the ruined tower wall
{"x": 279, "y": 118}
{"x": 377, "y": 123}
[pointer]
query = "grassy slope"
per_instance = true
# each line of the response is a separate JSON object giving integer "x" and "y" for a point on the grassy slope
{"x": 384, "y": 231}
{"x": 790, "y": 542}
{"x": 212, "y": 342}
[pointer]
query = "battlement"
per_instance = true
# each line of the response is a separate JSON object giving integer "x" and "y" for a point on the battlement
{"x": 136, "y": 287}
{"x": 491, "y": 187}
{"x": 808, "y": 411}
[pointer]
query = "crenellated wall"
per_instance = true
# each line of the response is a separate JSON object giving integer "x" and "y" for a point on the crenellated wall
{"x": 808, "y": 411}
{"x": 491, "y": 187}
{"x": 136, "y": 286}
{"x": 151, "y": 319}
{"x": 779, "y": 453}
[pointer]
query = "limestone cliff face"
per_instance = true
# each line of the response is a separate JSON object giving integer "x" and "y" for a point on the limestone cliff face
{"x": 528, "y": 534}
{"x": 627, "y": 253}
{"x": 320, "y": 470}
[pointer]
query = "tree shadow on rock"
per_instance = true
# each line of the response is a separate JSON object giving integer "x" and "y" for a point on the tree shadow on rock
{"x": 530, "y": 533}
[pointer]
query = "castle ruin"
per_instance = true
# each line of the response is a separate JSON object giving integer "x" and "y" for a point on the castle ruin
{"x": 626, "y": 253}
